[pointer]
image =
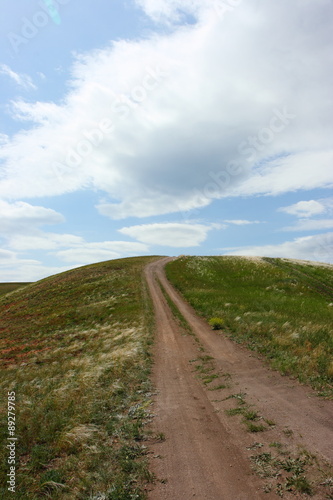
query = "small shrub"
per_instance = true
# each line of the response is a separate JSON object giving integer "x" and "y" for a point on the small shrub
{"x": 299, "y": 483}
{"x": 216, "y": 323}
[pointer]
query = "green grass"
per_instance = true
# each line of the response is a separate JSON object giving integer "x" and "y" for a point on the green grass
{"x": 10, "y": 287}
{"x": 289, "y": 472}
{"x": 249, "y": 415}
{"x": 251, "y": 427}
{"x": 75, "y": 348}
{"x": 277, "y": 307}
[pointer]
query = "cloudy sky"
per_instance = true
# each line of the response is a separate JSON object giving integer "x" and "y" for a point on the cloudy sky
{"x": 137, "y": 127}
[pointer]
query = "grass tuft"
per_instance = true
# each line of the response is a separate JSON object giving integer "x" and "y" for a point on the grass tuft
{"x": 251, "y": 427}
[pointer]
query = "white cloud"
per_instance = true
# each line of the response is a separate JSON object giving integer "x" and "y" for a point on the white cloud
{"x": 19, "y": 226}
{"x": 170, "y": 234}
{"x": 318, "y": 248}
{"x": 74, "y": 250}
{"x": 6, "y": 256}
{"x": 172, "y": 10}
{"x": 21, "y": 217}
{"x": 4, "y": 139}
{"x": 299, "y": 171}
{"x": 43, "y": 241}
{"x": 14, "y": 268}
{"x": 151, "y": 205}
{"x": 304, "y": 208}
{"x": 88, "y": 253}
{"x": 182, "y": 106}
{"x": 310, "y": 208}
{"x": 20, "y": 79}
{"x": 240, "y": 222}
{"x": 29, "y": 271}
{"x": 310, "y": 225}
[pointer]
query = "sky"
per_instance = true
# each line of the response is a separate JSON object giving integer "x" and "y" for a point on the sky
{"x": 164, "y": 127}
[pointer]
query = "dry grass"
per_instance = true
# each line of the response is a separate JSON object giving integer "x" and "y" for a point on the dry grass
{"x": 76, "y": 349}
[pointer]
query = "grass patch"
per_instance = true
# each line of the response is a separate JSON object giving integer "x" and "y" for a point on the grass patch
{"x": 75, "y": 348}
{"x": 208, "y": 379}
{"x": 289, "y": 473}
{"x": 234, "y": 411}
{"x": 239, "y": 396}
{"x": 251, "y": 427}
{"x": 250, "y": 415}
{"x": 218, "y": 387}
{"x": 276, "y": 307}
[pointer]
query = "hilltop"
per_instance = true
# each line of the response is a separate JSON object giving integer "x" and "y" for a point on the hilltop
{"x": 75, "y": 350}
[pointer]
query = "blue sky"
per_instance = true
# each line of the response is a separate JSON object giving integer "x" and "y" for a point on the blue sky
{"x": 164, "y": 127}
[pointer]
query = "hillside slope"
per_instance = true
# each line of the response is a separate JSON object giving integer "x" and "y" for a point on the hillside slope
{"x": 75, "y": 351}
{"x": 10, "y": 287}
{"x": 278, "y": 307}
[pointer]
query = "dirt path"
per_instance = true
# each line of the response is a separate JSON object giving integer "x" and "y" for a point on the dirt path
{"x": 206, "y": 453}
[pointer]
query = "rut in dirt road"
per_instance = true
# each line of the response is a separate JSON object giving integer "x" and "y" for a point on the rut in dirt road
{"x": 200, "y": 459}
{"x": 205, "y": 454}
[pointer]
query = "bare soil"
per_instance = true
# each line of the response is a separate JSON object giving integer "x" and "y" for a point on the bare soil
{"x": 206, "y": 453}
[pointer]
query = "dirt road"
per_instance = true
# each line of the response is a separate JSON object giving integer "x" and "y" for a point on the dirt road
{"x": 206, "y": 453}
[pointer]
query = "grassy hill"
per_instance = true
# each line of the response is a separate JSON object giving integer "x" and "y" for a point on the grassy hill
{"x": 75, "y": 349}
{"x": 10, "y": 287}
{"x": 280, "y": 308}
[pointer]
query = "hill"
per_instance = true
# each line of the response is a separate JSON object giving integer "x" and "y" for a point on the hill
{"x": 280, "y": 308}
{"x": 10, "y": 287}
{"x": 75, "y": 352}
{"x": 76, "y": 361}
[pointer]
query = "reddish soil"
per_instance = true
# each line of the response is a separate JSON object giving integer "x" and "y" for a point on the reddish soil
{"x": 205, "y": 454}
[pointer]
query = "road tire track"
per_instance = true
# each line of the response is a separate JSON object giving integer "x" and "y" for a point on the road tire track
{"x": 206, "y": 453}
